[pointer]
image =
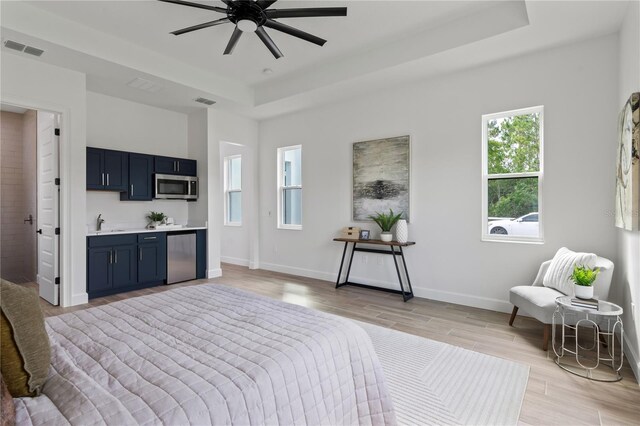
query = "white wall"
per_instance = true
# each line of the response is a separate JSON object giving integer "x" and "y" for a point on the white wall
{"x": 197, "y": 149}
{"x": 626, "y": 288}
{"x": 119, "y": 124}
{"x": 234, "y": 243}
{"x": 577, "y": 86}
{"x": 34, "y": 84}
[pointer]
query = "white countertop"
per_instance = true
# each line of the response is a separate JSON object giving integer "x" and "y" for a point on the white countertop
{"x": 143, "y": 230}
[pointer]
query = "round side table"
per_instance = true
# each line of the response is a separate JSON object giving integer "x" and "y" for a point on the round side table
{"x": 581, "y": 360}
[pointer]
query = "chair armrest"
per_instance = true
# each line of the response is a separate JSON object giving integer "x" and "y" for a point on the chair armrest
{"x": 541, "y": 273}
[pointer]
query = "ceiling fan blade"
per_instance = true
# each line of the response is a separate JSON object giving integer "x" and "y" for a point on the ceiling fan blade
{"x": 235, "y": 36}
{"x": 268, "y": 42}
{"x": 306, "y": 12}
{"x": 265, "y": 3}
{"x": 198, "y": 5}
{"x": 201, "y": 26}
{"x": 294, "y": 32}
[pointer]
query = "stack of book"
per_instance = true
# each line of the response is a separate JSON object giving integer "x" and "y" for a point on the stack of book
{"x": 585, "y": 303}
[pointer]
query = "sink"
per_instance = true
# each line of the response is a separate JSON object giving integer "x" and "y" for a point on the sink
{"x": 109, "y": 231}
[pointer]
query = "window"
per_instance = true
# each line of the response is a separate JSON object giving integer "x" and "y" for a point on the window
{"x": 512, "y": 171}
{"x": 233, "y": 190}
{"x": 290, "y": 187}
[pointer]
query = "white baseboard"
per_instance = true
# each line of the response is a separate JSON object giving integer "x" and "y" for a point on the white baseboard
{"x": 79, "y": 299}
{"x": 632, "y": 357}
{"x": 292, "y": 270}
{"x": 214, "y": 273}
{"x": 465, "y": 299}
{"x": 443, "y": 296}
{"x": 235, "y": 261}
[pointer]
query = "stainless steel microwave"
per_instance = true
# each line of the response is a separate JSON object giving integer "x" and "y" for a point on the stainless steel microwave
{"x": 174, "y": 187}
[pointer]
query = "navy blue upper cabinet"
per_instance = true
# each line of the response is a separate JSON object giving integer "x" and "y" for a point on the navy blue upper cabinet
{"x": 94, "y": 168}
{"x": 140, "y": 178}
{"x": 106, "y": 169}
{"x": 176, "y": 166}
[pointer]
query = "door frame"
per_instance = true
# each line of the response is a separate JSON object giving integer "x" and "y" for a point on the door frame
{"x": 64, "y": 170}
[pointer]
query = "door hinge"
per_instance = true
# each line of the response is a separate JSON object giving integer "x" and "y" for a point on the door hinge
{"x": 57, "y": 181}
{"x": 57, "y": 231}
{"x": 57, "y": 132}
{"x": 57, "y": 280}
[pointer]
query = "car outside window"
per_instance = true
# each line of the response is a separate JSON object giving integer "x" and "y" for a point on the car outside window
{"x": 512, "y": 175}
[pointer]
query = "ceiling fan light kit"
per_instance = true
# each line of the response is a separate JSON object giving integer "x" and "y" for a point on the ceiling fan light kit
{"x": 252, "y": 16}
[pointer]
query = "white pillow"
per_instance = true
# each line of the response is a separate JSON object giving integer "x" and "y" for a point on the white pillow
{"x": 558, "y": 275}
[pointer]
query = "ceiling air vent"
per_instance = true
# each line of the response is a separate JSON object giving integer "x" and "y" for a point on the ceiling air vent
{"x": 13, "y": 45}
{"x": 33, "y": 51}
{"x": 205, "y": 101}
{"x": 146, "y": 85}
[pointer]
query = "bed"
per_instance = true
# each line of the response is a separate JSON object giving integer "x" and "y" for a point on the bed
{"x": 208, "y": 354}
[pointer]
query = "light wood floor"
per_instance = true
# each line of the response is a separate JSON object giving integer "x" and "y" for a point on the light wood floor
{"x": 553, "y": 396}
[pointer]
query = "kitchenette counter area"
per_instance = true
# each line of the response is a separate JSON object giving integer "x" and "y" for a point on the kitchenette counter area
{"x": 121, "y": 260}
{"x": 167, "y": 228}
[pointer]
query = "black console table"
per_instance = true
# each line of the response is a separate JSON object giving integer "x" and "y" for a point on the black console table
{"x": 392, "y": 245}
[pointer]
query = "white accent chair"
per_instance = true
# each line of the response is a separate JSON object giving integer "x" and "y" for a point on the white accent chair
{"x": 540, "y": 301}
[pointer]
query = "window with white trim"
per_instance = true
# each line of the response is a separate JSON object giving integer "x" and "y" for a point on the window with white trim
{"x": 512, "y": 175}
{"x": 290, "y": 187}
{"x": 233, "y": 190}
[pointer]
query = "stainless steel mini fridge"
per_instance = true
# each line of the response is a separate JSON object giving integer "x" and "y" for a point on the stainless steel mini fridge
{"x": 181, "y": 256}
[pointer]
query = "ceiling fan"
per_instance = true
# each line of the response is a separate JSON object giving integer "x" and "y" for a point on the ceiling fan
{"x": 253, "y": 16}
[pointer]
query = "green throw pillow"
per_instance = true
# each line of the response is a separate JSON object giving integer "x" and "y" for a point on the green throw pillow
{"x": 25, "y": 354}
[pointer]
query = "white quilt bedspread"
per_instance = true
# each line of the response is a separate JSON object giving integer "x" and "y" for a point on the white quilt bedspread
{"x": 208, "y": 354}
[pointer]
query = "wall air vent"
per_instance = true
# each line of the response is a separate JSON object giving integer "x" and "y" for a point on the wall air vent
{"x": 205, "y": 101}
{"x": 13, "y": 45}
{"x": 33, "y": 51}
{"x": 146, "y": 85}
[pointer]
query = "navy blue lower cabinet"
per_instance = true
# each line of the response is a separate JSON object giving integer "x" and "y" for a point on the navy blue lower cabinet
{"x": 119, "y": 263}
{"x": 124, "y": 266}
{"x": 201, "y": 253}
{"x": 152, "y": 257}
{"x": 98, "y": 270}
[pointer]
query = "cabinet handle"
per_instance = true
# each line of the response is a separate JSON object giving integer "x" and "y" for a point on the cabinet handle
{"x": 107, "y": 179}
{"x": 175, "y": 166}
{"x": 150, "y": 238}
{"x": 132, "y": 190}
{"x": 140, "y": 250}
{"x": 116, "y": 256}
{"x": 103, "y": 179}
{"x": 110, "y": 256}
{"x": 178, "y": 162}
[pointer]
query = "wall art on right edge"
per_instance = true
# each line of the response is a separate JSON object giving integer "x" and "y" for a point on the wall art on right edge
{"x": 628, "y": 167}
{"x": 381, "y": 177}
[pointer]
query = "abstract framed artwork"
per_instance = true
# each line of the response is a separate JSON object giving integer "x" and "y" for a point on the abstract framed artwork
{"x": 627, "y": 210}
{"x": 381, "y": 177}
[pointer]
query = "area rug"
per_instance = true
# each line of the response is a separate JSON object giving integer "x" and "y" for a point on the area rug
{"x": 434, "y": 383}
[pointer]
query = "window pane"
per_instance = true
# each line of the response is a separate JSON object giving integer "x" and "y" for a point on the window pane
{"x": 293, "y": 167}
{"x": 514, "y": 144}
{"x": 235, "y": 207}
{"x": 510, "y": 201}
{"x": 292, "y": 206}
{"x": 235, "y": 173}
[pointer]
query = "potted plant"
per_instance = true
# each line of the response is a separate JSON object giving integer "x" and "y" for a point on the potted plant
{"x": 156, "y": 218}
{"x": 583, "y": 278}
{"x": 386, "y": 221}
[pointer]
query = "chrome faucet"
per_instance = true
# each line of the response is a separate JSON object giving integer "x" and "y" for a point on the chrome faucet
{"x": 100, "y": 221}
